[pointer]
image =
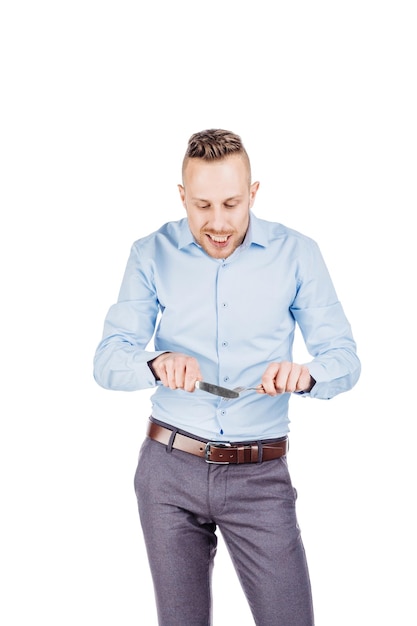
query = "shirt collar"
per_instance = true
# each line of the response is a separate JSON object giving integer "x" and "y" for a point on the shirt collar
{"x": 256, "y": 233}
{"x": 185, "y": 237}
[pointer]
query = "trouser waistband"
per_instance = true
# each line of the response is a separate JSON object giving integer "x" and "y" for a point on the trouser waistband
{"x": 216, "y": 451}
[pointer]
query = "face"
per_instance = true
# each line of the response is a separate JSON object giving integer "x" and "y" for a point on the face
{"x": 217, "y": 196}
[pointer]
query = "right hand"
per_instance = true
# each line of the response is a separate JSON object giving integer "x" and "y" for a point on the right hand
{"x": 177, "y": 371}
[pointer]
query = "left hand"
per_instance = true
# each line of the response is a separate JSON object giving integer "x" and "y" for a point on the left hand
{"x": 286, "y": 377}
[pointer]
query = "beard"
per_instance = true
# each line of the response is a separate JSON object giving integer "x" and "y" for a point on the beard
{"x": 219, "y": 244}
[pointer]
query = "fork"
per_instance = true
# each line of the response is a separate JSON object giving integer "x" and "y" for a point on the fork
{"x": 239, "y": 389}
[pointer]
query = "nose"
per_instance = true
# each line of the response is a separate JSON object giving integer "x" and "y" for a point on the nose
{"x": 218, "y": 221}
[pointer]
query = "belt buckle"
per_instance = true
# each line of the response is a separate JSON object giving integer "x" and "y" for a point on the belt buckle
{"x": 217, "y": 444}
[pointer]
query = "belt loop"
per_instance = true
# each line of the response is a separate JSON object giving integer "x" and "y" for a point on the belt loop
{"x": 260, "y": 451}
{"x": 240, "y": 454}
{"x": 171, "y": 440}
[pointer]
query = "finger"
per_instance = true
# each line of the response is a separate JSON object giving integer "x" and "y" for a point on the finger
{"x": 281, "y": 378}
{"x": 192, "y": 374}
{"x": 268, "y": 379}
{"x": 304, "y": 382}
{"x": 174, "y": 373}
{"x": 186, "y": 372}
{"x": 293, "y": 378}
{"x": 163, "y": 374}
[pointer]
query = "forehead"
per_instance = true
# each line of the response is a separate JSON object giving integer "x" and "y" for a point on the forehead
{"x": 231, "y": 173}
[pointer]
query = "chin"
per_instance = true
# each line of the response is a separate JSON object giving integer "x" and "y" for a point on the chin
{"x": 219, "y": 254}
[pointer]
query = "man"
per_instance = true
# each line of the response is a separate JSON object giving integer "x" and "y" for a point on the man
{"x": 224, "y": 291}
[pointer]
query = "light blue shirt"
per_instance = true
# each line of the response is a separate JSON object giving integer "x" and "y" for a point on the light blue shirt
{"x": 235, "y": 316}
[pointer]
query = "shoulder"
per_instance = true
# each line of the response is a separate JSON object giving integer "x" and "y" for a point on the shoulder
{"x": 168, "y": 235}
{"x": 275, "y": 232}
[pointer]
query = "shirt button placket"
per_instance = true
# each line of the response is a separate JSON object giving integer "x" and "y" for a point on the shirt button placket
{"x": 223, "y": 328}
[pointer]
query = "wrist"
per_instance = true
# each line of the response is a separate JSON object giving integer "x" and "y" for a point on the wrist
{"x": 150, "y": 365}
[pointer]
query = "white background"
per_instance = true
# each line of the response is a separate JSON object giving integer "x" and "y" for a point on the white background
{"x": 98, "y": 100}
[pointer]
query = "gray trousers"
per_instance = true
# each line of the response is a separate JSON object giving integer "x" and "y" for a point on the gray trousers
{"x": 182, "y": 500}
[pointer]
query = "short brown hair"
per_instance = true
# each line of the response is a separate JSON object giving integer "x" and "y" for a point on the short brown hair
{"x": 213, "y": 145}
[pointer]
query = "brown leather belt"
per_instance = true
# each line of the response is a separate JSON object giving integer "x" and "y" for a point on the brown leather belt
{"x": 219, "y": 452}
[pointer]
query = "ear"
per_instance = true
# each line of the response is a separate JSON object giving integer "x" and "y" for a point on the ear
{"x": 182, "y": 195}
{"x": 252, "y": 193}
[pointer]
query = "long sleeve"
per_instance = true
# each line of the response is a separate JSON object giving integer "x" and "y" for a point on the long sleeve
{"x": 121, "y": 358}
{"x": 325, "y": 329}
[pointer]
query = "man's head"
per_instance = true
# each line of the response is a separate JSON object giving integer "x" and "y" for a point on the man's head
{"x": 217, "y": 192}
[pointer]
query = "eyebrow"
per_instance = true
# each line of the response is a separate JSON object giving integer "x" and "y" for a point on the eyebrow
{"x": 238, "y": 197}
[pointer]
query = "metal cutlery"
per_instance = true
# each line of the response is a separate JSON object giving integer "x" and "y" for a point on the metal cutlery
{"x": 223, "y": 392}
{"x": 240, "y": 389}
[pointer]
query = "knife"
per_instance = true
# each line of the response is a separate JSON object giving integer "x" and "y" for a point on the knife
{"x": 224, "y": 392}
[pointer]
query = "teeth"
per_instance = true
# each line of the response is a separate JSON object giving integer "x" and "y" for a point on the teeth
{"x": 219, "y": 239}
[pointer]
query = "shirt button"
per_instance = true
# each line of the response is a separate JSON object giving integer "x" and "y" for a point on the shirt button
{"x": 224, "y": 304}
{"x": 223, "y": 412}
{"x": 225, "y": 344}
{"x": 225, "y": 379}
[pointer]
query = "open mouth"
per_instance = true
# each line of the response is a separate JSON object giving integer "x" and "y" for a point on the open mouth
{"x": 219, "y": 240}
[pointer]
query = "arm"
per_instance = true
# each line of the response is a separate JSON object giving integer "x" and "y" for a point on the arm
{"x": 121, "y": 358}
{"x": 335, "y": 366}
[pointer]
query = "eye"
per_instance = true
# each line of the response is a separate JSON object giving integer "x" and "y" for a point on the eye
{"x": 230, "y": 205}
{"x": 202, "y": 204}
